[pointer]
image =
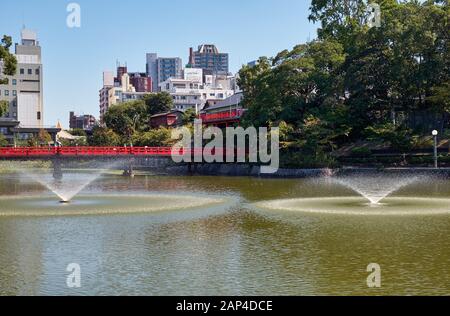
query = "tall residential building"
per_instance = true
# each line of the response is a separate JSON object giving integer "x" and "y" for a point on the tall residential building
{"x": 121, "y": 70}
{"x": 169, "y": 68}
{"x": 162, "y": 68}
{"x": 152, "y": 70}
{"x": 24, "y": 91}
{"x": 141, "y": 82}
{"x": 118, "y": 90}
{"x": 209, "y": 59}
{"x": 108, "y": 84}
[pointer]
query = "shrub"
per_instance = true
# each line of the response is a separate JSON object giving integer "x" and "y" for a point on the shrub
{"x": 3, "y": 141}
{"x": 400, "y": 138}
{"x": 302, "y": 160}
{"x": 361, "y": 151}
{"x": 104, "y": 137}
{"x": 154, "y": 138}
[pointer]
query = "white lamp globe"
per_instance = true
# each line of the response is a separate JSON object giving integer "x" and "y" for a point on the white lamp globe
{"x": 435, "y": 133}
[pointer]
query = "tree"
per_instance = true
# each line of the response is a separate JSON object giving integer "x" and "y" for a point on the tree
{"x": 42, "y": 138}
{"x": 354, "y": 82}
{"x": 127, "y": 118}
{"x": 102, "y": 136}
{"x": 188, "y": 116}
{"x": 154, "y": 138}
{"x": 3, "y": 141}
{"x": 78, "y": 132}
{"x": 291, "y": 85}
{"x": 9, "y": 60}
{"x": 157, "y": 103}
{"x": 390, "y": 69}
{"x": 4, "y": 107}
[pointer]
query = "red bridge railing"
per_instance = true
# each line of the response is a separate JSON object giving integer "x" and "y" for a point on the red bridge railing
{"x": 6, "y": 152}
{"x": 19, "y": 152}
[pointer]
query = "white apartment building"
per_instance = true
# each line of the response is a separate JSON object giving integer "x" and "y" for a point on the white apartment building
{"x": 114, "y": 93}
{"x": 24, "y": 90}
{"x": 193, "y": 94}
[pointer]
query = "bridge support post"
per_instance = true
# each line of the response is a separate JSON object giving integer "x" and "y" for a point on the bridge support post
{"x": 57, "y": 169}
{"x": 129, "y": 170}
{"x": 192, "y": 168}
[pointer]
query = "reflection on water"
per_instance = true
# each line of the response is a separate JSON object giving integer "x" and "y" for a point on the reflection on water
{"x": 238, "y": 251}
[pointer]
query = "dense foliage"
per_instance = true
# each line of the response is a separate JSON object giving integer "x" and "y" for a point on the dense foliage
{"x": 354, "y": 82}
{"x": 129, "y": 123}
{"x": 3, "y": 141}
{"x": 4, "y": 107}
{"x": 43, "y": 138}
{"x": 9, "y": 60}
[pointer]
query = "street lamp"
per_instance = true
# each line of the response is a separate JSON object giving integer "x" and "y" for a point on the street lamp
{"x": 435, "y": 133}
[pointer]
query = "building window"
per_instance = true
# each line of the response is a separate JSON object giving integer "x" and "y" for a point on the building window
{"x": 38, "y": 115}
{"x": 15, "y": 93}
{"x": 6, "y": 92}
{"x": 30, "y": 71}
{"x": 22, "y": 71}
{"x": 37, "y": 72}
{"x": 14, "y": 82}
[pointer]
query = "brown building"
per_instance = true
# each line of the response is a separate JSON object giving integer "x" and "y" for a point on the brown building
{"x": 169, "y": 119}
{"x": 141, "y": 82}
{"x": 85, "y": 122}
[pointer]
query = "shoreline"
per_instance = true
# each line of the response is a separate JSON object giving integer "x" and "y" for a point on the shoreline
{"x": 245, "y": 170}
{"x": 254, "y": 171}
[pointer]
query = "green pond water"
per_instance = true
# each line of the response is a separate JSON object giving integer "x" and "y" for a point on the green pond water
{"x": 162, "y": 235}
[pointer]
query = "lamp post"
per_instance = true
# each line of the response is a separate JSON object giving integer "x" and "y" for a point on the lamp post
{"x": 435, "y": 134}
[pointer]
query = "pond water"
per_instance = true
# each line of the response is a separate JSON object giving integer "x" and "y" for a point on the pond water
{"x": 163, "y": 235}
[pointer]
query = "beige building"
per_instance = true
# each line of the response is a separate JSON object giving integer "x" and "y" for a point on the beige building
{"x": 24, "y": 91}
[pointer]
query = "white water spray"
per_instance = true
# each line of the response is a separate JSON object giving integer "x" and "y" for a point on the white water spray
{"x": 376, "y": 188}
{"x": 70, "y": 184}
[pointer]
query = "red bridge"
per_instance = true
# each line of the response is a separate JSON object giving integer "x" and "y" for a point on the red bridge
{"x": 92, "y": 152}
{"x": 36, "y": 152}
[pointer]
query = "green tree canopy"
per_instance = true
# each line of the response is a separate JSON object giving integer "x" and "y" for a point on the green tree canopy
{"x": 188, "y": 116}
{"x": 3, "y": 141}
{"x": 78, "y": 132}
{"x": 102, "y": 136}
{"x": 4, "y": 107}
{"x": 157, "y": 103}
{"x": 332, "y": 90}
{"x": 9, "y": 60}
{"x": 154, "y": 138}
{"x": 126, "y": 118}
{"x": 43, "y": 138}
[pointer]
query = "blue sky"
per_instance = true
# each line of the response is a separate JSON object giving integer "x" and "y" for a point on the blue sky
{"x": 74, "y": 59}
